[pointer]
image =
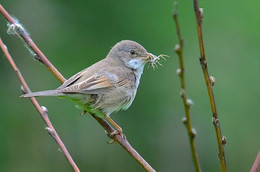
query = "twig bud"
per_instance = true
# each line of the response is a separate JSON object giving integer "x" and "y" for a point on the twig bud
{"x": 177, "y": 48}
{"x": 215, "y": 121}
{"x": 203, "y": 62}
{"x": 5, "y": 47}
{"x": 182, "y": 93}
{"x": 201, "y": 13}
{"x": 48, "y": 129}
{"x": 224, "y": 140}
{"x": 45, "y": 110}
{"x": 189, "y": 102}
{"x": 194, "y": 132}
{"x": 212, "y": 80}
{"x": 51, "y": 132}
{"x": 184, "y": 120}
{"x": 178, "y": 71}
{"x": 175, "y": 13}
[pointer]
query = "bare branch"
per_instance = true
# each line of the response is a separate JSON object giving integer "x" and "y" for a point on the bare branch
{"x": 23, "y": 35}
{"x": 221, "y": 140}
{"x": 42, "y": 110}
{"x": 41, "y": 57}
{"x": 125, "y": 144}
{"x": 186, "y": 102}
{"x": 256, "y": 164}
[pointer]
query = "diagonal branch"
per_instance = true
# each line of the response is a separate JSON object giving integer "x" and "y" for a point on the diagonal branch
{"x": 21, "y": 33}
{"x": 18, "y": 30}
{"x": 221, "y": 140}
{"x": 256, "y": 164}
{"x": 41, "y": 109}
{"x": 186, "y": 102}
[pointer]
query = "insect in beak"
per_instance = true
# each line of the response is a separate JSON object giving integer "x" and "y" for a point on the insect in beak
{"x": 153, "y": 60}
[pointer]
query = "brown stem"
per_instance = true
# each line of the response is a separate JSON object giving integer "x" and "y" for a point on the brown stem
{"x": 42, "y": 110}
{"x": 186, "y": 101}
{"x": 41, "y": 57}
{"x": 221, "y": 140}
{"x": 256, "y": 164}
{"x": 125, "y": 144}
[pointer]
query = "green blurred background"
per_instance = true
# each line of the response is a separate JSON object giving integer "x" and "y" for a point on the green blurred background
{"x": 76, "y": 34}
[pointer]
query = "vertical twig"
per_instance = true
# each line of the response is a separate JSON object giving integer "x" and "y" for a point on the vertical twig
{"x": 186, "y": 102}
{"x": 221, "y": 140}
{"x": 41, "y": 109}
{"x": 256, "y": 164}
{"x": 18, "y": 30}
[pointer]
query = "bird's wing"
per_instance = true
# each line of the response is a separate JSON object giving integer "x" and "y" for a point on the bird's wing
{"x": 72, "y": 79}
{"x": 90, "y": 85}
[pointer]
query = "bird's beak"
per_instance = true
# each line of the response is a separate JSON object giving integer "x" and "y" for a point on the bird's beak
{"x": 153, "y": 60}
{"x": 151, "y": 57}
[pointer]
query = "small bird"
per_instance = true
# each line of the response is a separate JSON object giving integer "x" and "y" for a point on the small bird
{"x": 108, "y": 85}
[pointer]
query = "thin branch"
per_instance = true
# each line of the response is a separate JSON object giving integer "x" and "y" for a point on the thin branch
{"x": 221, "y": 140}
{"x": 186, "y": 102}
{"x": 41, "y": 57}
{"x": 125, "y": 144}
{"x": 256, "y": 164}
{"x": 38, "y": 54}
{"x": 41, "y": 109}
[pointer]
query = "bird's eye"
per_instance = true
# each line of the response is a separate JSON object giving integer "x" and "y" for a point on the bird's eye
{"x": 132, "y": 52}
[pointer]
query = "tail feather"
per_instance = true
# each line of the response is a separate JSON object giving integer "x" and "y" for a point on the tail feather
{"x": 44, "y": 93}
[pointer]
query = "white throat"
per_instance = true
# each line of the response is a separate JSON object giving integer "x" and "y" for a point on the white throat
{"x": 137, "y": 65}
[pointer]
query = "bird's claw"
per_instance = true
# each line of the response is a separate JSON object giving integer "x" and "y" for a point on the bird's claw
{"x": 114, "y": 133}
{"x": 119, "y": 131}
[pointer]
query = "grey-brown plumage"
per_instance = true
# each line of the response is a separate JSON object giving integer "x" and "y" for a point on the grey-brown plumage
{"x": 108, "y": 85}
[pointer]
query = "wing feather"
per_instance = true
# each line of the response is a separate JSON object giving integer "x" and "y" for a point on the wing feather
{"x": 96, "y": 82}
{"x": 93, "y": 83}
{"x": 72, "y": 79}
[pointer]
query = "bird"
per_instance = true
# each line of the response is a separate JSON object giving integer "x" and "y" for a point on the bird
{"x": 108, "y": 85}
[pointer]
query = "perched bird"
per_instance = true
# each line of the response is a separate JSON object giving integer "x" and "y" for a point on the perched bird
{"x": 108, "y": 85}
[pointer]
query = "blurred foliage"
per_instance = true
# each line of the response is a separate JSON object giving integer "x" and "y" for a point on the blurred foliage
{"x": 75, "y": 34}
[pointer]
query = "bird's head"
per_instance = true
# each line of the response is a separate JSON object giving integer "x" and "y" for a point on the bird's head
{"x": 132, "y": 54}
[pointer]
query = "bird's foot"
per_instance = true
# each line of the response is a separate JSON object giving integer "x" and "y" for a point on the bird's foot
{"x": 118, "y": 131}
{"x": 114, "y": 133}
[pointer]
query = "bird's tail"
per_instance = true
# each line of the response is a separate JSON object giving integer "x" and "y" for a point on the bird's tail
{"x": 44, "y": 93}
